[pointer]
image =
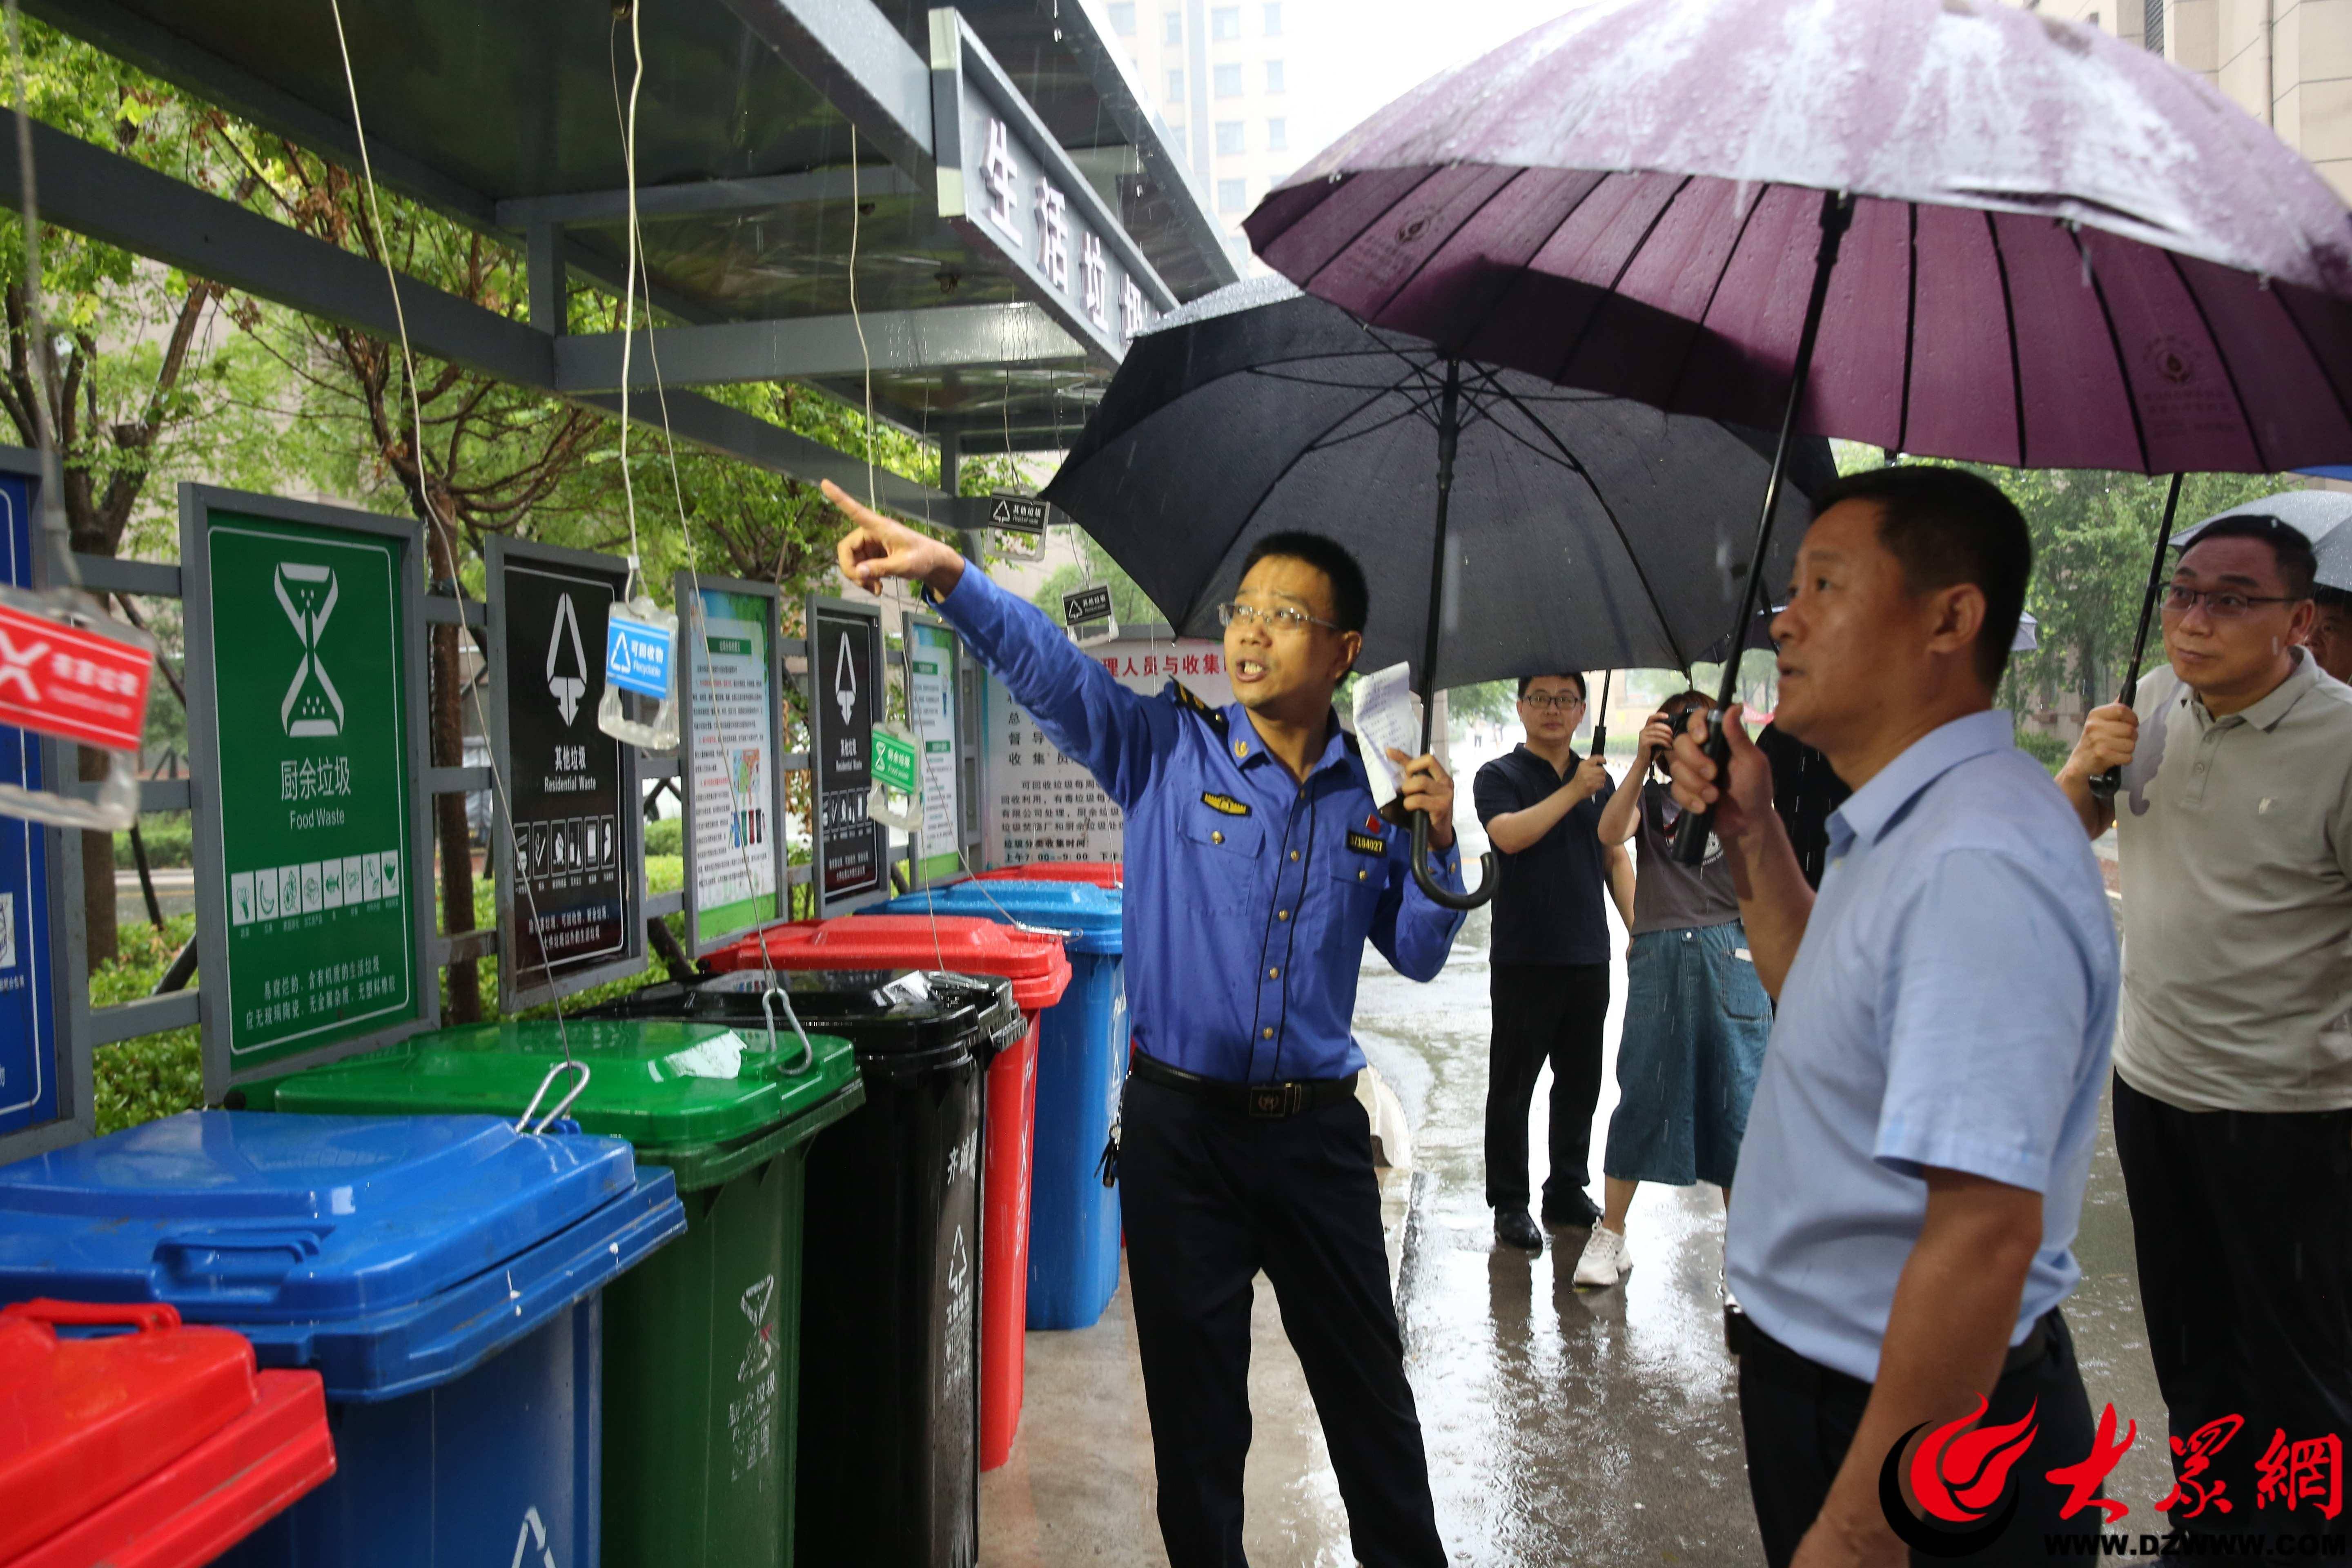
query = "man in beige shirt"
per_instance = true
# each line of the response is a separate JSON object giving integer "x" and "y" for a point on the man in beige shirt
{"x": 2233, "y": 1060}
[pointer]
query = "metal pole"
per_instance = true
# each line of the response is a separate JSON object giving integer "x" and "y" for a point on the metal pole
{"x": 1449, "y": 429}
{"x": 2105, "y": 785}
{"x": 1837, "y": 212}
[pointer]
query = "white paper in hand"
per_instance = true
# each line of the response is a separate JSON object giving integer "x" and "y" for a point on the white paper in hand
{"x": 1387, "y": 715}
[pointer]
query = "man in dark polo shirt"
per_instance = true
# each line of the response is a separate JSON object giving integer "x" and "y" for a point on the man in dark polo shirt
{"x": 1548, "y": 954}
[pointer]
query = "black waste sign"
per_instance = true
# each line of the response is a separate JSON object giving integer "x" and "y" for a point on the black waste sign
{"x": 570, "y": 892}
{"x": 844, "y": 682}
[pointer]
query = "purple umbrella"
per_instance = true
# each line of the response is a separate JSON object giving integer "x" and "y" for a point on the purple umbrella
{"x": 2057, "y": 250}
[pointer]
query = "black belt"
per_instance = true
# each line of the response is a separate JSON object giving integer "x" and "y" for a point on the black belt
{"x": 1263, "y": 1102}
{"x": 1741, "y": 1336}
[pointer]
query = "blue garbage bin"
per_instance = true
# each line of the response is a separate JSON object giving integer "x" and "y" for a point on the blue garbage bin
{"x": 442, "y": 1274}
{"x": 1081, "y": 1064}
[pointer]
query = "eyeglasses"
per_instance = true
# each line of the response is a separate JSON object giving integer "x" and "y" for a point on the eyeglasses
{"x": 1558, "y": 701}
{"x": 2222, "y": 605}
{"x": 1282, "y": 618}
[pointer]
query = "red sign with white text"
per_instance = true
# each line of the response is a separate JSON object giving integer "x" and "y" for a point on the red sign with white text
{"x": 58, "y": 680}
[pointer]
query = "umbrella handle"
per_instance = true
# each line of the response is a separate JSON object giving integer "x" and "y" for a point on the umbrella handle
{"x": 2108, "y": 785}
{"x": 1692, "y": 827}
{"x": 1436, "y": 892}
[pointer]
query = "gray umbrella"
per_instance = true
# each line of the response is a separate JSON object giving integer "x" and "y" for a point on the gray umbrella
{"x": 1571, "y": 529}
{"x": 2324, "y": 517}
{"x": 1585, "y": 531}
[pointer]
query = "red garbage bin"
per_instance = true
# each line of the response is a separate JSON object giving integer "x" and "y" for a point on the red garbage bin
{"x": 157, "y": 1448}
{"x": 1098, "y": 873}
{"x": 1039, "y": 970}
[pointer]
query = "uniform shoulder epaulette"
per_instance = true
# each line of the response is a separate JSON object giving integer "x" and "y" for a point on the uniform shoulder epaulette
{"x": 1191, "y": 699}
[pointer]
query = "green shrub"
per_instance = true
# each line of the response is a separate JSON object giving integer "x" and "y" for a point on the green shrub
{"x": 666, "y": 837}
{"x": 155, "y": 1074}
{"x": 2048, "y": 750}
{"x": 168, "y": 836}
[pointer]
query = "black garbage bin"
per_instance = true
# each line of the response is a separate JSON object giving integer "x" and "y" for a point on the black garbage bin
{"x": 888, "y": 1470}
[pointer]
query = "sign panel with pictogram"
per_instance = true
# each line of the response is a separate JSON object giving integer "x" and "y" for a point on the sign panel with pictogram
{"x": 56, "y": 680}
{"x": 303, "y": 725}
{"x": 846, "y": 686}
{"x": 570, "y": 876}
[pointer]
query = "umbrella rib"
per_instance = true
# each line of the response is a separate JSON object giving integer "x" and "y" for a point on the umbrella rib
{"x": 1633, "y": 253}
{"x": 2253, "y": 433}
{"x": 1469, "y": 218}
{"x": 2115, "y": 343}
{"x": 1715, "y": 289}
{"x": 2318, "y": 359}
{"x": 1504, "y": 292}
{"x": 1371, "y": 222}
{"x": 1327, "y": 442}
{"x": 2008, "y": 315}
{"x": 1289, "y": 463}
{"x": 1576, "y": 467}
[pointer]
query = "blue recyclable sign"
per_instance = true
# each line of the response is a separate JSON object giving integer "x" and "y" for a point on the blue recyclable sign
{"x": 636, "y": 655}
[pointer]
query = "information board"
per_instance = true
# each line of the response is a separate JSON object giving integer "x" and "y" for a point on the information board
{"x": 844, "y": 695}
{"x": 28, "y": 1003}
{"x": 732, "y": 811}
{"x": 570, "y": 872}
{"x": 931, "y": 655}
{"x": 1041, "y": 806}
{"x": 304, "y": 663}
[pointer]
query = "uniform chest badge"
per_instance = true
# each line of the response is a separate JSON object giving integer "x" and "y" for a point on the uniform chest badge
{"x": 1366, "y": 843}
{"x": 1225, "y": 804}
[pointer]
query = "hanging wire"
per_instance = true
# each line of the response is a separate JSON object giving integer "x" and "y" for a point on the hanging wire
{"x": 431, "y": 509}
{"x": 639, "y": 270}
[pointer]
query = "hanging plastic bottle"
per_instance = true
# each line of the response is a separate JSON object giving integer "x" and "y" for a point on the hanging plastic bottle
{"x": 894, "y": 798}
{"x": 640, "y": 702}
{"x": 70, "y": 670}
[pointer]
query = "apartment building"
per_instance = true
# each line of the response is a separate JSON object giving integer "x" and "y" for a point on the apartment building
{"x": 2287, "y": 62}
{"x": 1220, "y": 74}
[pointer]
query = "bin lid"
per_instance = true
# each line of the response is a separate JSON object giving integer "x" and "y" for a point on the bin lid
{"x": 1091, "y": 913}
{"x": 1100, "y": 873}
{"x": 735, "y": 994}
{"x": 392, "y": 1252}
{"x": 881, "y": 1011}
{"x": 84, "y": 1420}
{"x": 661, "y": 1085}
{"x": 1034, "y": 961}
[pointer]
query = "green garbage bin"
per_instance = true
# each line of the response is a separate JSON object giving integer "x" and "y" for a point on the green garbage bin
{"x": 702, "y": 1340}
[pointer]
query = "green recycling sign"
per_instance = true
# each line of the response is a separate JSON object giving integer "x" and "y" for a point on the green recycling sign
{"x": 298, "y": 651}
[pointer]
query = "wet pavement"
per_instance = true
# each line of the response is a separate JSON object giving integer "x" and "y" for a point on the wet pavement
{"x": 1563, "y": 1426}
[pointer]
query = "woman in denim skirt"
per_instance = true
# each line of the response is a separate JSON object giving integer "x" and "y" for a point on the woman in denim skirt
{"x": 1695, "y": 1015}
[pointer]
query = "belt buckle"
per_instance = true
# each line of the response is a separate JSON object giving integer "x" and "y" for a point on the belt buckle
{"x": 1273, "y": 1101}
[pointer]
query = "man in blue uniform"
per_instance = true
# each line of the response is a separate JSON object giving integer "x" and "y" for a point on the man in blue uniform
{"x": 1257, "y": 866}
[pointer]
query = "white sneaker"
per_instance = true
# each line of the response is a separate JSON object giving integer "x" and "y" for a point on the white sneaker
{"x": 1604, "y": 1262}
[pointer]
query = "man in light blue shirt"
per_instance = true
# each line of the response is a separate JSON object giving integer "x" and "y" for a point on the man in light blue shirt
{"x": 1913, "y": 1173}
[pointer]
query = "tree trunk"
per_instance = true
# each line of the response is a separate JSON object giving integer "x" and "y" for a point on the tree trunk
{"x": 447, "y": 724}
{"x": 103, "y": 942}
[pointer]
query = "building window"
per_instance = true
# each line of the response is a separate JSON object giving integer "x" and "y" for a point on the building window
{"x": 1171, "y": 28}
{"x": 1229, "y": 82}
{"x": 1176, "y": 139}
{"x": 1277, "y": 135}
{"x": 1274, "y": 18}
{"x": 1225, "y": 23}
{"x": 2152, "y": 25}
{"x": 1122, "y": 18}
{"x": 1175, "y": 87}
{"x": 1229, "y": 139}
{"x": 1273, "y": 76}
{"x": 1232, "y": 195}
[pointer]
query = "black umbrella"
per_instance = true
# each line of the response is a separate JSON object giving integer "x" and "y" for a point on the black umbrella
{"x": 1571, "y": 530}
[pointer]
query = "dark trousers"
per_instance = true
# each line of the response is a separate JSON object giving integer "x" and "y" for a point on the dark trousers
{"x": 1211, "y": 1197}
{"x": 1543, "y": 1012}
{"x": 1799, "y": 1419}
{"x": 2245, "y": 1277}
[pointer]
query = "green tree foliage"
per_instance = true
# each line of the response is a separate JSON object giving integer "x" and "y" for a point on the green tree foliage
{"x": 1129, "y": 602}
